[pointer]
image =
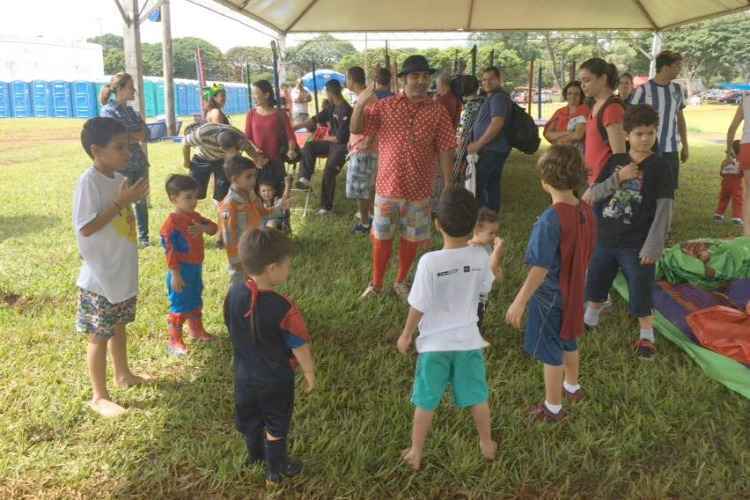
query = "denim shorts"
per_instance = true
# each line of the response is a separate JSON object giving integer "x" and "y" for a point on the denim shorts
{"x": 463, "y": 370}
{"x": 542, "y": 339}
{"x": 100, "y": 317}
{"x": 603, "y": 269}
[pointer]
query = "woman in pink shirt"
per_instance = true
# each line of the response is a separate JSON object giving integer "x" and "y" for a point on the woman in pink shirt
{"x": 269, "y": 129}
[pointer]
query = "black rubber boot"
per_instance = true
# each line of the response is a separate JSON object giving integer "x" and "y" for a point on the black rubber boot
{"x": 255, "y": 447}
{"x": 278, "y": 464}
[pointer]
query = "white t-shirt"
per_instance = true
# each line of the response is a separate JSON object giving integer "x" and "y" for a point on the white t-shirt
{"x": 298, "y": 107}
{"x": 446, "y": 290}
{"x": 109, "y": 256}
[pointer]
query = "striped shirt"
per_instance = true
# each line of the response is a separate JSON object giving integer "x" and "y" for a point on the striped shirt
{"x": 206, "y": 139}
{"x": 668, "y": 101}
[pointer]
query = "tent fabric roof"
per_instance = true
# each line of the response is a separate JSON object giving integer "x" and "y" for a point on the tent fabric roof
{"x": 316, "y": 16}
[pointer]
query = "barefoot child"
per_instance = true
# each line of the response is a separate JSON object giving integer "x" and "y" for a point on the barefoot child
{"x": 558, "y": 253}
{"x": 637, "y": 213}
{"x": 485, "y": 236}
{"x": 443, "y": 302}
{"x": 108, "y": 281}
{"x": 182, "y": 239}
{"x": 269, "y": 337}
{"x": 242, "y": 210}
{"x": 731, "y": 187}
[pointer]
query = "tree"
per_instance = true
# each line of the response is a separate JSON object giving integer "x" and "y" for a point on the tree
{"x": 108, "y": 41}
{"x": 184, "y": 59}
{"x": 260, "y": 60}
{"x": 325, "y": 50}
{"x": 114, "y": 56}
{"x": 152, "y": 59}
{"x": 713, "y": 50}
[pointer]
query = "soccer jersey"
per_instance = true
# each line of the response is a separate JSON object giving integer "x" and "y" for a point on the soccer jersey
{"x": 668, "y": 101}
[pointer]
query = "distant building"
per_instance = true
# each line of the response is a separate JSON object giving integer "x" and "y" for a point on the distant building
{"x": 39, "y": 58}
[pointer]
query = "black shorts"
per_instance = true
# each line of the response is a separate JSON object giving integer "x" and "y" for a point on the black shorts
{"x": 673, "y": 160}
{"x": 202, "y": 169}
{"x": 266, "y": 407}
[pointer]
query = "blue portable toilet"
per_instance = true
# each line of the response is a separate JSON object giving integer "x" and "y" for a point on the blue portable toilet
{"x": 230, "y": 100}
{"x": 84, "y": 99}
{"x": 20, "y": 94}
{"x": 161, "y": 106}
{"x": 149, "y": 98}
{"x": 6, "y": 110}
{"x": 41, "y": 97}
{"x": 181, "y": 100}
{"x": 194, "y": 99}
{"x": 62, "y": 103}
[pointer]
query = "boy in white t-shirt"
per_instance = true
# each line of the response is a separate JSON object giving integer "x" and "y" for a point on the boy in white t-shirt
{"x": 108, "y": 281}
{"x": 443, "y": 300}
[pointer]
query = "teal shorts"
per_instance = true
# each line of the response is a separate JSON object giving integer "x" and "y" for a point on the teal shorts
{"x": 463, "y": 370}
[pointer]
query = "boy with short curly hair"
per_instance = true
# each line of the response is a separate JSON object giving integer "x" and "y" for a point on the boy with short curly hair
{"x": 558, "y": 253}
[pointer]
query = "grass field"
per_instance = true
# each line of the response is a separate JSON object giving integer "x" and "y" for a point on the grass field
{"x": 648, "y": 430}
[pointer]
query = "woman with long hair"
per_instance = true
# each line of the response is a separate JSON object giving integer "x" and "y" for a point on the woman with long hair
{"x": 122, "y": 87}
{"x": 604, "y": 133}
{"x": 215, "y": 97}
{"x": 270, "y": 130}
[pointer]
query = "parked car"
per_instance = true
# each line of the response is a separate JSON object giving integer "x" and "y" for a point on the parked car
{"x": 731, "y": 97}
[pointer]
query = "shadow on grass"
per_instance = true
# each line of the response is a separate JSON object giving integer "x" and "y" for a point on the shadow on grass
{"x": 15, "y": 226}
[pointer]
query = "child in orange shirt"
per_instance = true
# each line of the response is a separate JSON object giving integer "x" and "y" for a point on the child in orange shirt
{"x": 242, "y": 210}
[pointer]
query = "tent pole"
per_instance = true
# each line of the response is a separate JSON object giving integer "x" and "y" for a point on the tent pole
{"x": 168, "y": 69}
{"x": 474, "y": 61}
{"x": 492, "y": 57}
{"x": 539, "y": 93}
{"x": 315, "y": 89}
{"x": 656, "y": 42}
{"x": 531, "y": 87}
{"x": 249, "y": 86}
{"x": 276, "y": 84}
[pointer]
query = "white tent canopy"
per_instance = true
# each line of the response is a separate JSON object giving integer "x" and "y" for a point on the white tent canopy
{"x": 304, "y": 16}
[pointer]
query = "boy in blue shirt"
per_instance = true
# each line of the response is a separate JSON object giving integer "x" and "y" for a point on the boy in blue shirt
{"x": 444, "y": 300}
{"x": 558, "y": 253}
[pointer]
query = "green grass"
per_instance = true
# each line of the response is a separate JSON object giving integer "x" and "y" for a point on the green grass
{"x": 648, "y": 430}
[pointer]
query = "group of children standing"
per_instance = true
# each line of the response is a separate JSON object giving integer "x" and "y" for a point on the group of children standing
{"x": 571, "y": 259}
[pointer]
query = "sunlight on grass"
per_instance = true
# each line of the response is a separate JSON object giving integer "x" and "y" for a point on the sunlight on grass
{"x": 648, "y": 430}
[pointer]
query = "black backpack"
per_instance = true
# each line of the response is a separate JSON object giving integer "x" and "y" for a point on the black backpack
{"x": 521, "y": 130}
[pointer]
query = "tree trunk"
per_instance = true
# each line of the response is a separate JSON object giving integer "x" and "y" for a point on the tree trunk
{"x": 553, "y": 59}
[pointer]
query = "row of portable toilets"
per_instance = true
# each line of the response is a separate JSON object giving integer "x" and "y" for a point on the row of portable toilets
{"x": 59, "y": 99}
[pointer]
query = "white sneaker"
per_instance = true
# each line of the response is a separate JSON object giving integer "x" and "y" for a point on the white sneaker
{"x": 323, "y": 211}
{"x": 371, "y": 292}
{"x": 737, "y": 221}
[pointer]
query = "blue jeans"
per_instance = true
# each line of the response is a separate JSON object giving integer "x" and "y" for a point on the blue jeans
{"x": 603, "y": 270}
{"x": 489, "y": 171}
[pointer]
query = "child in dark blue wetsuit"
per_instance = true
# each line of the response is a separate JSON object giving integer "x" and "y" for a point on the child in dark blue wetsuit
{"x": 182, "y": 239}
{"x": 558, "y": 253}
{"x": 270, "y": 338}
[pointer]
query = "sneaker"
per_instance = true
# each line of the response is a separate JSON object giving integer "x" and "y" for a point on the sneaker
{"x": 361, "y": 229}
{"x": 371, "y": 292}
{"x": 323, "y": 211}
{"x": 574, "y": 396}
{"x": 302, "y": 184}
{"x": 737, "y": 221}
{"x": 176, "y": 348}
{"x": 540, "y": 413}
{"x": 646, "y": 349}
{"x": 718, "y": 218}
{"x": 402, "y": 291}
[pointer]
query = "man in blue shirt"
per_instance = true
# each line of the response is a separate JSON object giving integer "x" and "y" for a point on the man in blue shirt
{"x": 490, "y": 140}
